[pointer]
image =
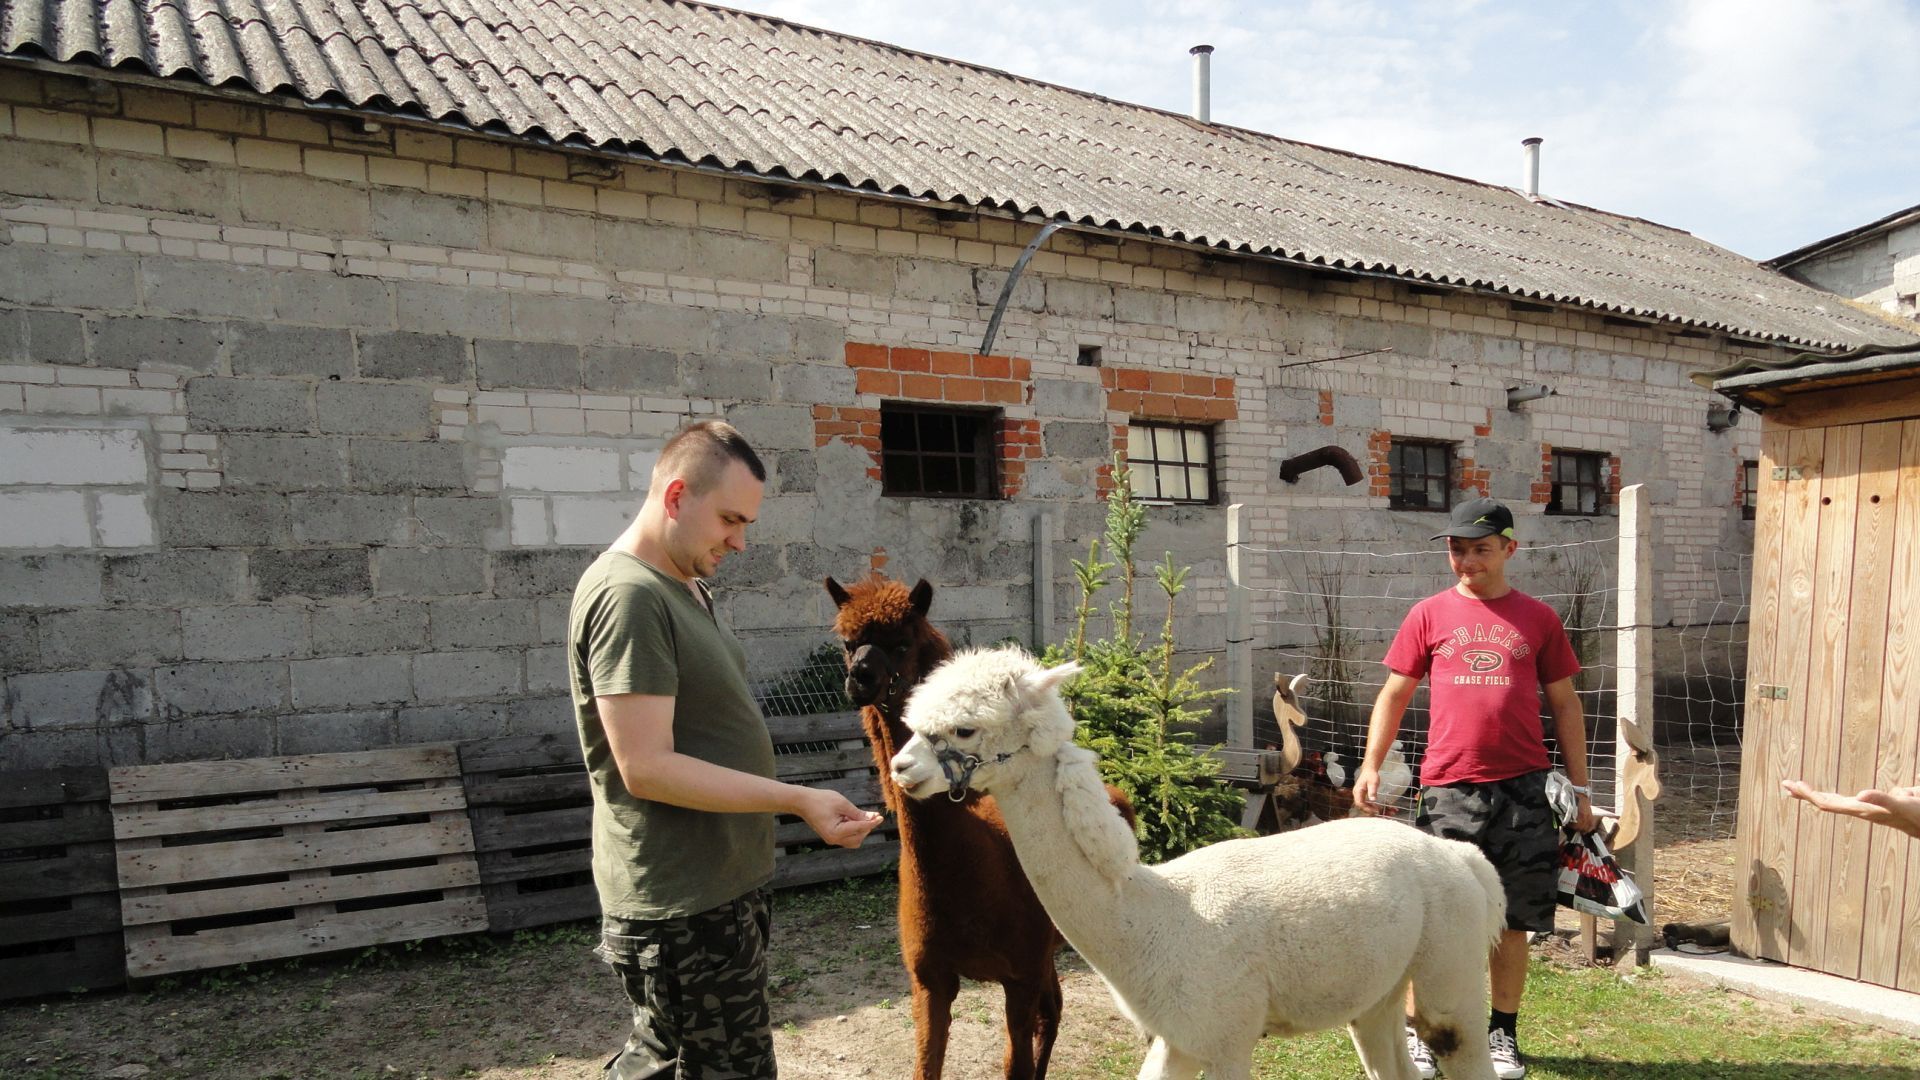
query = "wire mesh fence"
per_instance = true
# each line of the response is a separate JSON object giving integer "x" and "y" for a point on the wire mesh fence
{"x": 1334, "y": 612}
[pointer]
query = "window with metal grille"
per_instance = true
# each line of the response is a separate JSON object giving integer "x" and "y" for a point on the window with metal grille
{"x": 1421, "y": 475}
{"x": 1750, "y": 491}
{"x": 1170, "y": 462}
{"x": 943, "y": 453}
{"x": 1579, "y": 485}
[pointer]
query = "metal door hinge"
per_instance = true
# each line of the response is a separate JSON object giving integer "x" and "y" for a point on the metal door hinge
{"x": 1775, "y": 693}
{"x": 1788, "y": 472}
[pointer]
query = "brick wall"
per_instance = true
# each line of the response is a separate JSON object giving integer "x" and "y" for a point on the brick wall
{"x": 306, "y": 431}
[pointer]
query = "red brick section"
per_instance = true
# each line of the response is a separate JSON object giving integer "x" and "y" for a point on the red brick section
{"x": 1379, "y": 464}
{"x": 1326, "y": 408}
{"x": 943, "y": 378}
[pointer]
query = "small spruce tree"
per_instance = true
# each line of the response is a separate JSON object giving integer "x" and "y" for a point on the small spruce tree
{"x": 1132, "y": 704}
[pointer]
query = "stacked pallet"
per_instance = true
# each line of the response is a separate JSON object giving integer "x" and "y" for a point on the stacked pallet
{"x": 827, "y": 750}
{"x": 532, "y": 812}
{"x": 231, "y": 862}
{"x": 59, "y": 908}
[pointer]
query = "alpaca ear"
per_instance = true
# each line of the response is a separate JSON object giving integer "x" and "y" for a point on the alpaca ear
{"x": 921, "y": 598}
{"x": 840, "y": 595}
{"x": 1046, "y": 681}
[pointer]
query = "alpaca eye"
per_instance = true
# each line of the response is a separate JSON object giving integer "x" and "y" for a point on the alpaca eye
{"x": 965, "y": 732}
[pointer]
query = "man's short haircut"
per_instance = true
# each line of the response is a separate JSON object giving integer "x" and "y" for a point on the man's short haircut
{"x": 699, "y": 453}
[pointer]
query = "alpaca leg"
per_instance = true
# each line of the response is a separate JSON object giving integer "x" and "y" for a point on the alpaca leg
{"x": 1049, "y": 1026}
{"x": 1165, "y": 1063}
{"x": 933, "y": 994}
{"x": 1030, "y": 1028}
{"x": 1379, "y": 1037}
{"x": 1451, "y": 1010}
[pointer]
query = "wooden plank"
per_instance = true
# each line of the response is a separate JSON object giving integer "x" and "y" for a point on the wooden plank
{"x": 47, "y": 787}
{"x": 498, "y": 832}
{"x": 76, "y": 823}
{"x": 1860, "y": 404}
{"x": 818, "y": 727}
{"x": 518, "y": 752}
{"x": 142, "y": 907}
{"x": 282, "y": 854}
{"x": 162, "y": 953}
{"x": 510, "y": 908}
{"x": 94, "y": 913}
{"x": 270, "y": 812}
{"x": 90, "y": 963}
{"x": 841, "y": 759}
{"x": 832, "y": 864}
{"x": 72, "y": 874}
{"x": 1800, "y": 535}
{"x": 1825, "y": 690}
{"x": 1890, "y": 954}
{"x": 484, "y": 790}
{"x": 1859, "y": 721}
{"x": 200, "y": 779}
{"x": 498, "y": 866}
{"x": 1759, "y": 780}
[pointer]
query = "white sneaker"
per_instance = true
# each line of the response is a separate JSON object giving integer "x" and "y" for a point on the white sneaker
{"x": 1421, "y": 1055}
{"x": 1506, "y": 1055}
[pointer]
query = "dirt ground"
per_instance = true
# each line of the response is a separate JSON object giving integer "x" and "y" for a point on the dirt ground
{"x": 540, "y": 1006}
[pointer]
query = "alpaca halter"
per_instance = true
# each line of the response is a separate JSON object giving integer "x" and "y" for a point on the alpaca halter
{"x": 951, "y": 759}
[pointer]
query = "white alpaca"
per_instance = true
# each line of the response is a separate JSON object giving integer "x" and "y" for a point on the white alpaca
{"x": 1277, "y": 935}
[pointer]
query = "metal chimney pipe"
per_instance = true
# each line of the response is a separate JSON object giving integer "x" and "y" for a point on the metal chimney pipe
{"x": 1530, "y": 150}
{"x": 1202, "y": 90}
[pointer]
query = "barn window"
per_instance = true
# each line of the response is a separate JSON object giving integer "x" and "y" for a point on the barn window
{"x": 1750, "y": 489}
{"x": 1579, "y": 483}
{"x": 1170, "y": 462}
{"x": 943, "y": 453}
{"x": 1421, "y": 475}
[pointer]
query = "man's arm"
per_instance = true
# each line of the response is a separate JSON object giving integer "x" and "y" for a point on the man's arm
{"x": 1570, "y": 731}
{"x": 1388, "y": 709}
{"x": 1898, "y": 808}
{"x": 639, "y": 731}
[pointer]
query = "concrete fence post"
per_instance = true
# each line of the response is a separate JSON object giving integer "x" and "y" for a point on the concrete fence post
{"x": 1636, "y": 775}
{"x": 1239, "y": 635}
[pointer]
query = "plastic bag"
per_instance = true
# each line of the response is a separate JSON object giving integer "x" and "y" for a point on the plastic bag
{"x": 1591, "y": 880}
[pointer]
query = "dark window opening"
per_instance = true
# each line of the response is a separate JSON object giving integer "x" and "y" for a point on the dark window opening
{"x": 1170, "y": 462}
{"x": 1089, "y": 356}
{"x": 943, "y": 453}
{"x": 1421, "y": 475}
{"x": 1578, "y": 483}
{"x": 1750, "y": 491}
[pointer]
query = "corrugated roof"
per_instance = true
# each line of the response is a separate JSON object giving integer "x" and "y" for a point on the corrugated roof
{"x": 757, "y": 95}
{"x": 1844, "y": 239}
{"x": 1747, "y": 378}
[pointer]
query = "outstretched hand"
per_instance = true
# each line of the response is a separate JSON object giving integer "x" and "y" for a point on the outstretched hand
{"x": 1898, "y": 808}
{"x": 837, "y": 820}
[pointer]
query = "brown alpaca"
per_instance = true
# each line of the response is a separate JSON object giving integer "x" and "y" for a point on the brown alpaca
{"x": 966, "y": 909}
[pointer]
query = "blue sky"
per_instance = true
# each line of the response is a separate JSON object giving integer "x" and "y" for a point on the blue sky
{"x": 1759, "y": 125}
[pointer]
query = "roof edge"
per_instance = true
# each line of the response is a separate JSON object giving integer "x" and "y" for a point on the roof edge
{"x": 1819, "y": 247}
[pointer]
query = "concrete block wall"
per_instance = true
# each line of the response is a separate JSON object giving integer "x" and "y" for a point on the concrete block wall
{"x": 312, "y": 429}
{"x": 1882, "y": 270}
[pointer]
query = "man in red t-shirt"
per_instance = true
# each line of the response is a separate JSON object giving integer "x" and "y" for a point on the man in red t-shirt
{"x": 1490, "y": 651}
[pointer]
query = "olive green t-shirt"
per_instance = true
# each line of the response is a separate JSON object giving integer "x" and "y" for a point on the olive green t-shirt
{"x": 636, "y": 630}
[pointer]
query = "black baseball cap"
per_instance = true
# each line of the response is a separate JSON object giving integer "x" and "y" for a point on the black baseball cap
{"x": 1477, "y": 518}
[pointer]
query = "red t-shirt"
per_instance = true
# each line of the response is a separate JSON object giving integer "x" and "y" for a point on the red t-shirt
{"x": 1489, "y": 660}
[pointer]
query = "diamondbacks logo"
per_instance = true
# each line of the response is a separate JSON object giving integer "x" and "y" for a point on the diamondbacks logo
{"x": 1481, "y": 661}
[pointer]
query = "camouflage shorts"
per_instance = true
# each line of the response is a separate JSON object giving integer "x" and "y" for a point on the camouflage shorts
{"x": 699, "y": 990}
{"x": 1510, "y": 822}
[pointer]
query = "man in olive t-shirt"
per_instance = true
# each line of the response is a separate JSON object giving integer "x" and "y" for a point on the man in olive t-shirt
{"x": 682, "y": 772}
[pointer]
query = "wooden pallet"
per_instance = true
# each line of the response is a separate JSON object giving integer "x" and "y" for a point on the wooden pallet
{"x": 59, "y": 908}
{"x": 827, "y": 750}
{"x": 531, "y": 806}
{"x": 230, "y": 862}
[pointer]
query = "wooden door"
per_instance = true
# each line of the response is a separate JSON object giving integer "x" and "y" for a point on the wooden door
{"x": 1833, "y": 687}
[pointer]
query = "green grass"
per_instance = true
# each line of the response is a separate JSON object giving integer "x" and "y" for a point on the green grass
{"x": 1596, "y": 1024}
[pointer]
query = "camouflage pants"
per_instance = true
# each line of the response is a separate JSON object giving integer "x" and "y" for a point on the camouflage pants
{"x": 699, "y": 990}
{"x": 1511, "y": 823}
